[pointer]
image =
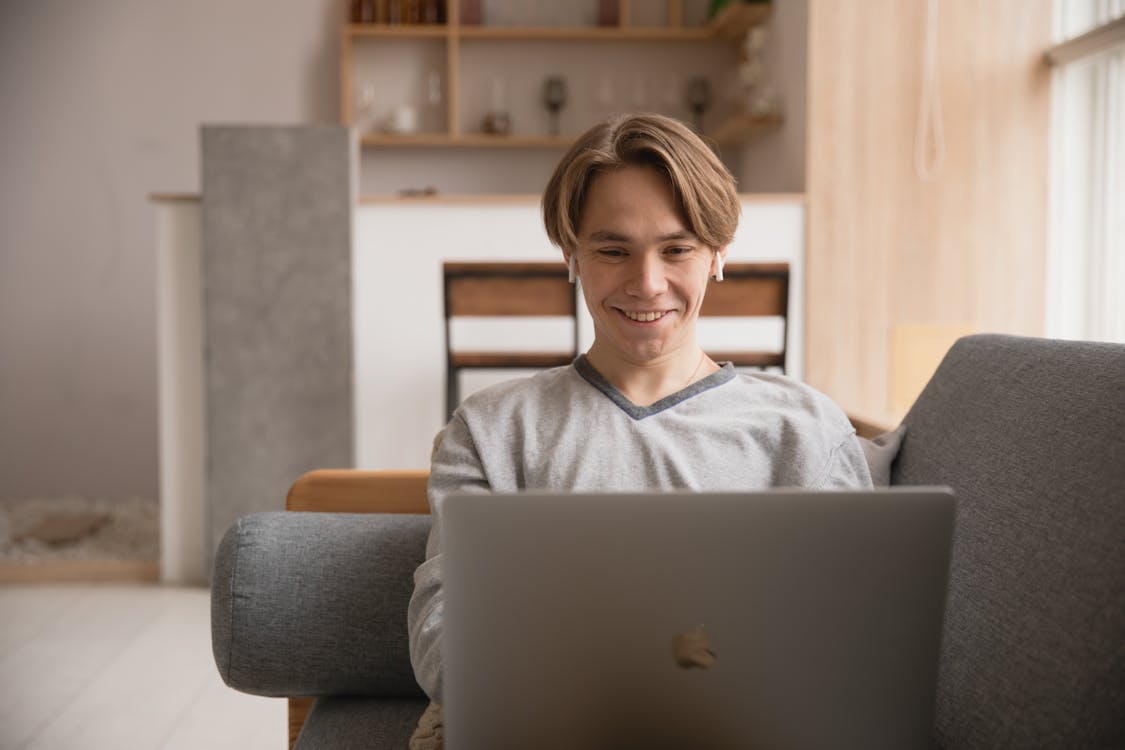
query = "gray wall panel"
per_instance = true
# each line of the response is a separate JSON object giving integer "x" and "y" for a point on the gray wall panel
{"x": 276, "y": 236}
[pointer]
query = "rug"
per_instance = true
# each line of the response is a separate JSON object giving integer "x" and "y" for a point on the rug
{"x": 74, "y": 528}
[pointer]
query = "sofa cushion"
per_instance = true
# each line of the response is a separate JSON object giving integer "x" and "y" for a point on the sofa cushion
{"x": 315, "y": 604}
{"x": 1031, "y": 435}
{"x": 881, "y": 452}
{"x": 358, "y": 723}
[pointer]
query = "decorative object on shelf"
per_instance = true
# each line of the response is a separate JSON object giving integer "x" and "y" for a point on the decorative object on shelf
{"x": 497, "y": 121}
{"x": 433, "y": 89}
{"x": 403, "y": 120}
{"x": 605, "y": 96}
{"x": 365, "y": 107}
{"x": 718, "y": 5}
{"x": 609, "y": 12}
{"x": 638, "y": 93}
{"x": 362, "y": 11}
{"x": 697, "y": 97}
{"x": 754, "y": 94}
{"x": 412, "y": 11}
{"x": 670, "y": 98}
{"x": 427, "y": 192}
{"x": 554, "y": 99}
{"x": 470, "y": 13}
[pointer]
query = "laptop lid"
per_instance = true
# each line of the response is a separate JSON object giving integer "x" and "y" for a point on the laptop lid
{"x": 775, "y": 619}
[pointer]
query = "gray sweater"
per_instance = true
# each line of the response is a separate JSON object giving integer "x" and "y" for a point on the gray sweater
{"x": 569, "y": 429}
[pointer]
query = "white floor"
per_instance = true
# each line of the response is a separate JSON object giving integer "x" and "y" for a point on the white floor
{"x": 120, "y": 667}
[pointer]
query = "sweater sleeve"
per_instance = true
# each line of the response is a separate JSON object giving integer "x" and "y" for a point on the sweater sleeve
{"x": 847, "y": 467}
{"x": 456, "y": 468}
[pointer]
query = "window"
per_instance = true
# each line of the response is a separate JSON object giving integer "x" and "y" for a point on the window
{"x": 1086, "y": 257}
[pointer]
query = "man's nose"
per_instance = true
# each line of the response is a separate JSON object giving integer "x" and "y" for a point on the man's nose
{"x": 649, "y": 279}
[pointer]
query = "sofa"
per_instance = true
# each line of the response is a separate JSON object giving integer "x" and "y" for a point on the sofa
{"x": 1029, "y": 432}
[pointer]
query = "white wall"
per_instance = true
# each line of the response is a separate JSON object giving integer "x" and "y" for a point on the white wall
{"x": 100, "y": 105}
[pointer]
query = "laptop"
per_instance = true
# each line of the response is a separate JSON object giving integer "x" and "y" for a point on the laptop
{"x": 777, "y": 619}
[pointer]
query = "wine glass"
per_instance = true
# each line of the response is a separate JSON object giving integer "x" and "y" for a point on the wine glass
{"x": 554, "y": 98}
{"x": 697, "y": 97}
{"x": 638, "y": 94}
{"x": 604, "y": 95}
{"x": 365, "y": 107}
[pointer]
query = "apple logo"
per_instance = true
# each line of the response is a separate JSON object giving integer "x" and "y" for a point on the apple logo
{"x": 692, "y": 649}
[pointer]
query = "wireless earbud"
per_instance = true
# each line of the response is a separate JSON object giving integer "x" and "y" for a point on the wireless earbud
{"x": 718, "y": 267}
{"x": 573, "y": 265}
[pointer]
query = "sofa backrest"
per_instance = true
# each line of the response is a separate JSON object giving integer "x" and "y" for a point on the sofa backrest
{"x": 1031, "y": 435}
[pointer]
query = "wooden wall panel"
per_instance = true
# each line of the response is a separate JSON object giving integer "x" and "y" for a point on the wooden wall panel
{"x": 884, "y": 247}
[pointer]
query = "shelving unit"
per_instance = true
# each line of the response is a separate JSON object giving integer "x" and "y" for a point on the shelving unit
{"x": 728, "y": 28}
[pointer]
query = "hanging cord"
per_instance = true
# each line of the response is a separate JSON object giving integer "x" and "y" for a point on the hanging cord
{"x": 929, "y": 108}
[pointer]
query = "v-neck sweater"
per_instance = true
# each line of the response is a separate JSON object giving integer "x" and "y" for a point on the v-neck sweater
{"x": 569, "y": 429}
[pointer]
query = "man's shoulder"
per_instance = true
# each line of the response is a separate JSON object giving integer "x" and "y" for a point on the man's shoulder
{"x": 534, "y": 391}
{"x": 783, "y": 393}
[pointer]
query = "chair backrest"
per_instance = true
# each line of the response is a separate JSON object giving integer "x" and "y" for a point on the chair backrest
{"x": 751, "y": 290}
{"x": 488, "y": 289}
{"x": 505, "y": 290}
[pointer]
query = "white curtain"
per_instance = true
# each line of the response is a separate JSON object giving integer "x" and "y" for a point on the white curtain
{"x": 1086, "y": 272}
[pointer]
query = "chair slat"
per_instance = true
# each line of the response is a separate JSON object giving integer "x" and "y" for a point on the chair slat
{"x": 530, "y": 295}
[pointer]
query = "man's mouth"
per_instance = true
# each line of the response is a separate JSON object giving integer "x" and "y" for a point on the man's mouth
{"x": 644, "y": 317}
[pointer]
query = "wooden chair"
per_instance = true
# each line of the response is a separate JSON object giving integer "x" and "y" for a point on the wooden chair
{"x": 504, "y": 289}
{"x": 352, "y": 491}
{"x": 751, "y": 290}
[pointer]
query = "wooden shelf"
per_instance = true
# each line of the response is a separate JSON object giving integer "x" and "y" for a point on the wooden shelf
{"x": 735, "y": 19}
{"x": 467, "y": 140}
{"x": 733, "y": 132}
{"x": 586, "y": 33}
{"x": 731, "y": 24}
{"x": 400, "y": 31}
{"x": 738, "y": 129}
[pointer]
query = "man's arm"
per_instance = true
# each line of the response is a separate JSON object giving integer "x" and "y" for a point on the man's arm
{"x": 455, "y": 468}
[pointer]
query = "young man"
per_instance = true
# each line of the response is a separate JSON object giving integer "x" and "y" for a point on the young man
{"x": 643, "y": 212}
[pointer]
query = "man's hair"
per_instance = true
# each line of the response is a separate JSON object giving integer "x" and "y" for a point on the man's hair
{"x": 703, "y": 188}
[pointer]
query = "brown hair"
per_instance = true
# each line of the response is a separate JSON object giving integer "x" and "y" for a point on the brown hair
{"x": 704, "y": 189}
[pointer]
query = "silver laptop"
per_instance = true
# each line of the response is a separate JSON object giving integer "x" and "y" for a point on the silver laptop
{"x": 780, "y": 619}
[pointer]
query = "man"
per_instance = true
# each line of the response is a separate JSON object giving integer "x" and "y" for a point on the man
{"x": 643, "y": 212}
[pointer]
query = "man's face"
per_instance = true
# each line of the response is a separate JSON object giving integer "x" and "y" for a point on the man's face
{"x": 643, "y": 272}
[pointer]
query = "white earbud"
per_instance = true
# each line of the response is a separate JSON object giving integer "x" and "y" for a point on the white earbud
{"x": 573, "y": 266}
{"x": 718, "y": 267}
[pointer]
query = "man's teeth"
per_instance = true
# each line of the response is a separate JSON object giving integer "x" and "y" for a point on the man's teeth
{"x": 643, "y": 317}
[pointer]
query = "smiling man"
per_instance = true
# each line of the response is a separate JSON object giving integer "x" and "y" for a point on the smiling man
{"x": 643, "y": 212}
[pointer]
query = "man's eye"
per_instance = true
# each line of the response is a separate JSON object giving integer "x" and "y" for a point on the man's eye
{"x": 611, "y": 252}
{"x": 679, "y": 250}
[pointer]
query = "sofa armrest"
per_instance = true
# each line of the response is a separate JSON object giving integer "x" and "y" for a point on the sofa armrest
{"x": 360, "y": 491}
{"x": 312, "y": 604}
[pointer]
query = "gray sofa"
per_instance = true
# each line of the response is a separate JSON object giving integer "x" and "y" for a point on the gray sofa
{"x": 1029, "y": 432}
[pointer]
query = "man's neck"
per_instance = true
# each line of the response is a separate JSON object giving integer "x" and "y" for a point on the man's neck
{"x": 645, "y": 383}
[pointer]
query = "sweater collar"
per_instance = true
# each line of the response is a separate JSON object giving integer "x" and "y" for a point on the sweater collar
{"x": 594, "y": 378}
